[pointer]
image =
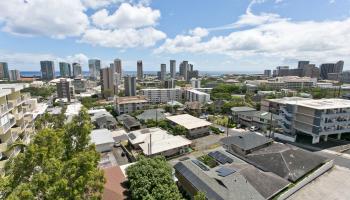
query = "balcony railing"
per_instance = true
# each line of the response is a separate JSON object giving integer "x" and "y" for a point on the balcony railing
{"x": 7, "y": 126}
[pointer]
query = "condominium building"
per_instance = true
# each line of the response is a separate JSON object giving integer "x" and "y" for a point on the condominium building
{"x": 65, "y": 89}
{"x": 196, "y": 83}
{"x": 16, "y": 124}
{"x": 80, "y": 85}
{"x": 327, "y": 68}
{"x": 173, "y": 69}
{"x": 77, "y": 71}
{"x": 109, "y": 82}
{"x": 65, "y": 70}
{"x": 118, "y": 67}
{"x": 15, "y": 75}
{"x": 162, "y": 95}
{"x": 195, "y": 95}
{"x": 130, "y": 86}
{"x": 4, "y": 70}
{"x": 94, "y": 68}
{"x": 47, "y": 70}
{"x": 267, "y": 72}
{"x": 124, "y": 105}
{"x": 139, "y": 70}
{"x": 316, "y": 118}
{"x": 170, "y": 83}
{"x": 162, "y": 72}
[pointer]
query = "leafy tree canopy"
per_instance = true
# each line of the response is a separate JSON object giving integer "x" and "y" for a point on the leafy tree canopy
{"x": 58, "y": 164}
{"x": 151, "y": 178}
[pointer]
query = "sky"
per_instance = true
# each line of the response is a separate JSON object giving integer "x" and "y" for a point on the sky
{"x": 220, "y": 35}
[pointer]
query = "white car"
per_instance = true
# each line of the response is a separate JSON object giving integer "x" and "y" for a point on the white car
{"x": 253, "y": 128}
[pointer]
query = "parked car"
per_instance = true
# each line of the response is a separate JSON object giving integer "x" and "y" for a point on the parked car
{"x": 222, "y": 130}
{"x": 253, "y": 128}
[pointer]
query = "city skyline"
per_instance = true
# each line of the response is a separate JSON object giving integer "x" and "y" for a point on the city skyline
{"x": 243, "y": 36}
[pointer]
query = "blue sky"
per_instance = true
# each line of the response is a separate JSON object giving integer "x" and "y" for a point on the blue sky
{"x": 220, "y": 35}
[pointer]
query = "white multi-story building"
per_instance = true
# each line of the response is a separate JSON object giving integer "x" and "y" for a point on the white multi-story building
{"x": 316, "y": 118}
{"x": 130, "y": 104}
{"x": 195, "y": 95}
{"x": 163, "y": 95}
{"x": 196, "y": 83}
{"x": 17, "y": 112}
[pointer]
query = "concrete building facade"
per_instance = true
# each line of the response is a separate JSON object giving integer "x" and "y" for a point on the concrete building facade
{"x": 130, "y": 86}
{"x": 14, "y": 75}
{"x": 65, "y": 89}
{"x": 139, "y": 70}
{"x": 94, "y": 68}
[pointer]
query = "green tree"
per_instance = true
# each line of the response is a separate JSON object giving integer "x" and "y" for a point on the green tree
{"x": 179, "y": 130}
{"x": 151, "y": 178}
{"x": 200, "y": 196}
{"x": 59, "y": 163}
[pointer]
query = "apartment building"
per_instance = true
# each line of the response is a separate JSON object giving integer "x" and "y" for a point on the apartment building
{"x": 163, "y": 95}
{"x": 195, "y": 95}
{"x": 130, "y": 104}
{"x": 65, "y": 89}
{"x": 316, "y": 118}
{"x": 16, "y": 123}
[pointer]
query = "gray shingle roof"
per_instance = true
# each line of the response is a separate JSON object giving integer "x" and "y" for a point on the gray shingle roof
{"x": 247, "y": 182}
{"x": 246, "y": 141}
{"x": 286, "y": 161}
{"x": 152, "y": 114}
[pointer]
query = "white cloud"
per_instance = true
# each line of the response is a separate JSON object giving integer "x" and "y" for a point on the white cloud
{"x": 129, "y": 26}
{"x": 126, "y": 16}
{"x": 272, "y": 37}
{"x": 95, "y": 4}
{"x": 52, "y": 18}
{"x": 123, "y": 38}
{"x": 200, "y": 32}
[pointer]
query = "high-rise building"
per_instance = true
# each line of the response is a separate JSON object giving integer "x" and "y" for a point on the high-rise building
{"x": 77, "y": 71}
{"x": 339, "y": 66}
{"x": 15, "y": 75}
{"x": 130, "y": 85}
{"x": 118, "y": 67}
{"x": 173, "y": 68}
{"x": 94, "y": 68}
{"x": 4, "y": 70}
{"x": 17, "y": 121}
{"x": 192, "y": 74}
{"x": 310, "y": 70}
{"x": 327, "y": 68}
{"x": 47, "y": 70}
{"x": 139, "y": 70}
{"x": 109, "y": 82}
{"x": 184, "y": 68}
{"x": 196, "y": 83}
{"x": 162, "y": 71}
{"x": 267, "y": 72}
{"x": 80, "y": 85}
{"x": 65, "y": 89}
{"x": 302, "y": 63}
{"x": 65, "y": 70}
{"x": 170, "y": 83}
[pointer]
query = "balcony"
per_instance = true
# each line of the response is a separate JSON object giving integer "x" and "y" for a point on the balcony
{"x": 7, "y": 126}
{"x": 13, "y": 138}
{"x": 4, "y": 109}
{"x": 25, "y": 97}
{"x": 3, "y": 148}
{"x": 28, "y": 119}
